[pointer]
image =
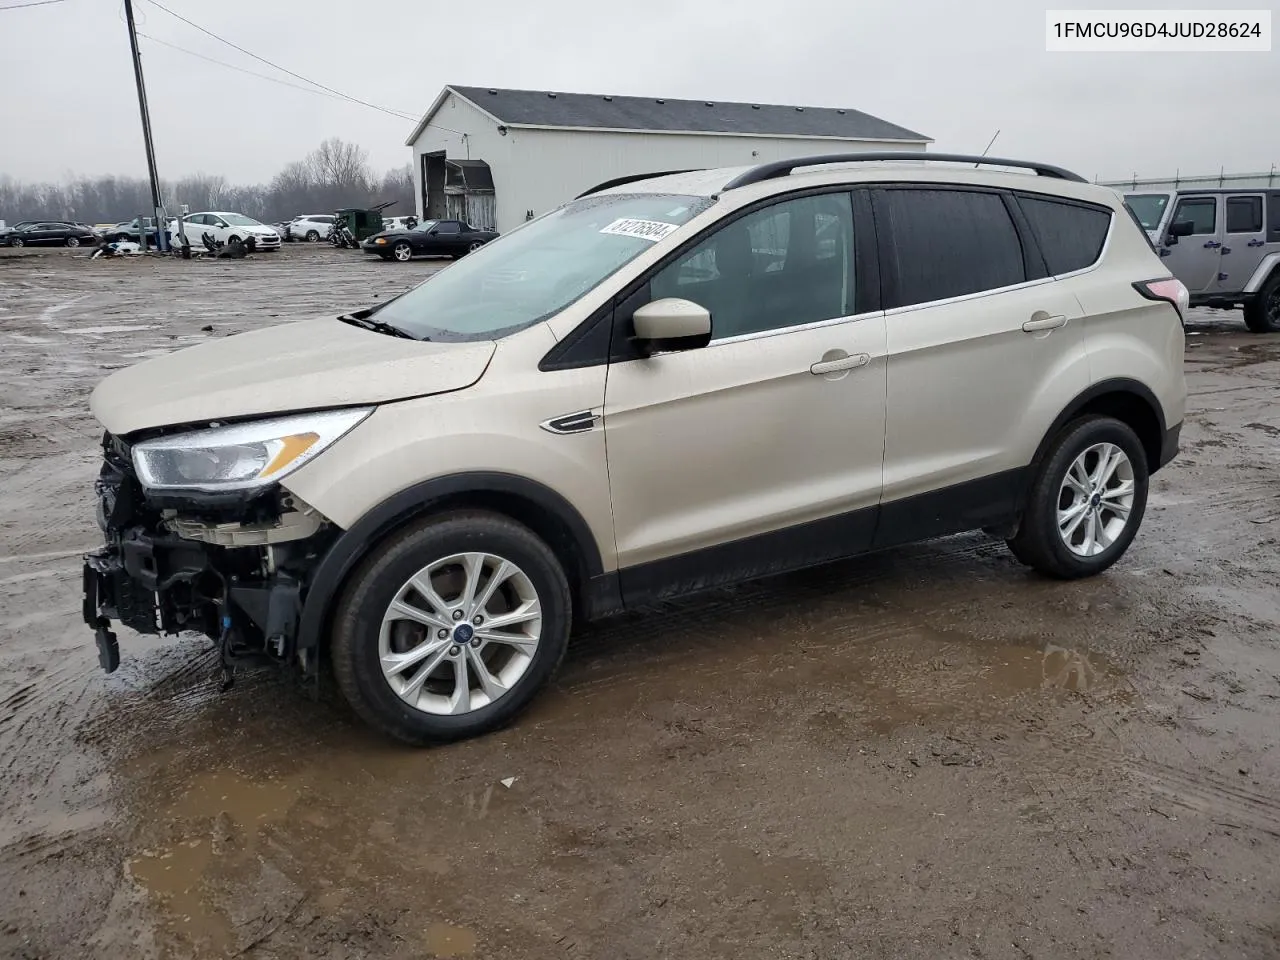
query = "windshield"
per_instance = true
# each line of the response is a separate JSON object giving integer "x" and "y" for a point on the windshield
{"x": 239, "y": 220}
{"x": 539, "y": 268}
{"x": 1147, "y": 207}
{"x": 424, "y": 225}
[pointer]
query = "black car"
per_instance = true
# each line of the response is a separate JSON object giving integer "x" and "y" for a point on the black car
{"x": 51, "y": 232}
{"x": 438, "y": 238}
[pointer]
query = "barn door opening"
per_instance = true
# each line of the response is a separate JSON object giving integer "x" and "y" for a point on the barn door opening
{"x": 469, "y": 193}
{"x": 433, "y": 180}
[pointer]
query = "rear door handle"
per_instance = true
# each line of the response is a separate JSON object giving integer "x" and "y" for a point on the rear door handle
{"x": 850, "y": 362}
{"x": 1042, "y": 322}
{"x": 1257, "y": 243}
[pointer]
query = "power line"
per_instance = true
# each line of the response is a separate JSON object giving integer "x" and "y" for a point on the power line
{"x": 35, "y": 3}
{"x": 394, "y": 113}
{"x": 232, "y": 66}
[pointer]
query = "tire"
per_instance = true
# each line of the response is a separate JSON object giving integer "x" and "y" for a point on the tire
{"x": 313, "y": 236}
{"x": 402, "y": 251}
{"x": 475, "y": 245}
{"x": 1040, "y": 543}
{"x": 1263, "y": 314}
{"x": 234, "y": 238}
{"x": 121, "y": 238}
{"x": 73, "y": 241}
{"x": 17, "y": 242}
{"x": 361, "y": 640}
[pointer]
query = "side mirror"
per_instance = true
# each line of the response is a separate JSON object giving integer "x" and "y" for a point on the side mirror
{"x": 432, "y": 233}
{"x": 1181, "y": 228}
{"x": 672, "y": 324}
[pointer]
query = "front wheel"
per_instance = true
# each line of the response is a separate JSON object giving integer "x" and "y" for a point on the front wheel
{"x": 313, "y": 236}
{"x": 1263, "y": 314}
{"x": 16, "y": 242}
{"x": 402, "y": 252}
{"x": 448, "y": 630}
{"x": 1086, "y": 501}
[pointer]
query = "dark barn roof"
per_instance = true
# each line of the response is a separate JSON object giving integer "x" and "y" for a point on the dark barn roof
{"x": 601, "y": 112}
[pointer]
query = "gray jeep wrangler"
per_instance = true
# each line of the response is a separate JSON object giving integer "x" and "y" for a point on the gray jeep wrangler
{"x": 1224, "y": 245}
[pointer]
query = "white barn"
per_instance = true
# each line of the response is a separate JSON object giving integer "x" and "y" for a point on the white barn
{"x": 498, "y": 157}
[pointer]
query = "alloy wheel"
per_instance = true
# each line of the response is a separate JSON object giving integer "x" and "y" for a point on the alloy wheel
{"x": 73, "y": 241}
{"x": 460, "y": 633}
{"x": 403, "y": 252}
{"x": 475, "y": 245}
{"x": 1095, "y": 499}
{"x": 16, "y": 242}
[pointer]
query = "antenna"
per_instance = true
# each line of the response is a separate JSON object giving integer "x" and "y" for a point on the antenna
{"x": 989, "y": 143}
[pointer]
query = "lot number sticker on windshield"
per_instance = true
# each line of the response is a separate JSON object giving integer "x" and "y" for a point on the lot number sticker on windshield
{"x": 653, "y": 230}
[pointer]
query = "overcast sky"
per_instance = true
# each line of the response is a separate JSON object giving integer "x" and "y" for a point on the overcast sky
{"x": 954, "y": 71}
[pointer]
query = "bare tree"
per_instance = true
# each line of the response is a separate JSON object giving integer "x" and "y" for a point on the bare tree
{"x": 336, "y": 163}
{"x": 335, "y": 174}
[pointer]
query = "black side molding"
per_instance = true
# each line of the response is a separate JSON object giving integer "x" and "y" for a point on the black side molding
{"x": 783, "y": 168}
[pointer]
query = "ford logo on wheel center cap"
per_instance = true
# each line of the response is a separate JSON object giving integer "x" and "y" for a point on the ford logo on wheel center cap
{"x": 463, "y": 633}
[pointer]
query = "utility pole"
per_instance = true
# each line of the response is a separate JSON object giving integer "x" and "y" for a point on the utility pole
{"x": 156, "y": 201}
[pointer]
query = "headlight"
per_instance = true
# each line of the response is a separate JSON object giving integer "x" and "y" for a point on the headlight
{"x": 241, "y": 456}
{"x": 380, "y": 240}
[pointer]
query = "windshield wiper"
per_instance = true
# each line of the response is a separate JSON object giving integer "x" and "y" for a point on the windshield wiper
{"x": 378, "y": 326}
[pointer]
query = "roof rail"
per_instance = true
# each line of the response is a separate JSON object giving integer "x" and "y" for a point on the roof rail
{"x": 782, "y": 168}
{"x": 630, "y": 178}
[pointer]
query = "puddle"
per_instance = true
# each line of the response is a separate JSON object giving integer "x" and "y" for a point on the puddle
{"x": 446, "y": 940}
{"x": 175, "y": 878}
{"x": 246, "y": 802}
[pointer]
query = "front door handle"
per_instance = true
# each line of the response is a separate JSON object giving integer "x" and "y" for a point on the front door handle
{"x": 1257, "y": 243}
{"x": 849, "y": 362}
{"x": 1211, "y": 244}
{"x": 1042, "y": 321}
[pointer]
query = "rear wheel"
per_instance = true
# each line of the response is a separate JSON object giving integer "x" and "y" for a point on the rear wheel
{"x": 449, "y": 630}
{"x": 73, "y": 241}
{"x": 121, "y": 237}
{"x": 402, "y": 251}
{"x": 1086, "y": 501}
{"x": 1263, "y": 314}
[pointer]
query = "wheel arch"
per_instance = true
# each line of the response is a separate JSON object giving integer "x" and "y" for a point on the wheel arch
{"x": 548, "y": 514}
{"x": 1129, "y": 401}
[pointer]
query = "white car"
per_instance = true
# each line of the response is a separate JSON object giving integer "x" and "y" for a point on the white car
{"x": 225, "y": 227}
{"x": 312, "y": 227}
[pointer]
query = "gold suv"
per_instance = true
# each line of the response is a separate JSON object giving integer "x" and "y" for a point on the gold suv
{"x": 667, "y": 384}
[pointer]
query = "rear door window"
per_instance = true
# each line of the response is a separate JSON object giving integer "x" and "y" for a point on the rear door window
{"x": 948, "y": 243}
{"x": 1070, "y": 235}
{"x": 1244, "y": 214}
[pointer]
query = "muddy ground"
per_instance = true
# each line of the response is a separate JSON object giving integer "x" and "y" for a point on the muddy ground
{"x": 924, "y": 753}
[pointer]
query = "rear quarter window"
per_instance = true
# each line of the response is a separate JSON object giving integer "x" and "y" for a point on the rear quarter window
{"x": 1070, "y": 235}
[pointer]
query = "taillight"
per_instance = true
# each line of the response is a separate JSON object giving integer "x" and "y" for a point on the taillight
{"x": 1170, "y": 290}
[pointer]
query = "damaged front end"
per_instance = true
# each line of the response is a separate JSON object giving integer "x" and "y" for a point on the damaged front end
{"x": 232, "y": 565}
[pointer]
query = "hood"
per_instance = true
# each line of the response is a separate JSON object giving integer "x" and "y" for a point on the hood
{"x": 307, "y": 365}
